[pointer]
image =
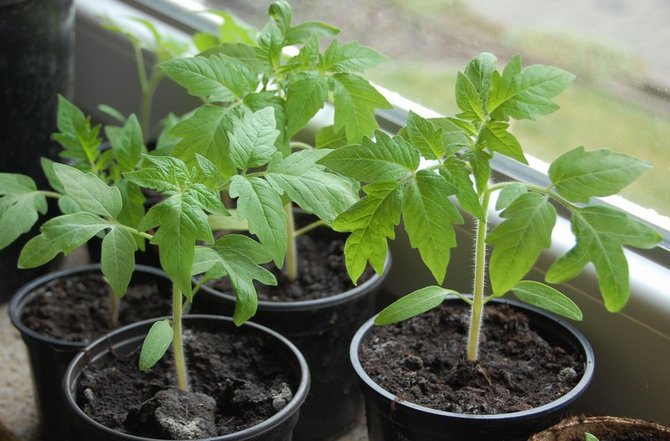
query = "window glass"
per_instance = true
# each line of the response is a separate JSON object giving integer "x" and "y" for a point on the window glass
{"x": 617, "y": 48}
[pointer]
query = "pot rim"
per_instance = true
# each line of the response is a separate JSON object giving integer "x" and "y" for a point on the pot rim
{"x": 569, "y": 397}
{"x": 91, "y": 350}
{"x": 311, "y": 304}
{"x": 26, "y": 293}
{"x": 580, "y": 424}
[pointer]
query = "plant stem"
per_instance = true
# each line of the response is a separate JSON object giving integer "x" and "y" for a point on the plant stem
{"x": 177, "y": 342}
{"x": 291, "y": 264}
{"x": 113, "y": 310}
{"x": 477, "y": 308}
{"x": 308, "y": 228}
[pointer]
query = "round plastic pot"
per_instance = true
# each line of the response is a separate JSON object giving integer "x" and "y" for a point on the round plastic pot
{"x": 279, "y": 427}
{"x": 390, "y": 418}
{"x": 603, "y": 426}
{"x": 49, "y": 357}
{"x": 322, "y": 329}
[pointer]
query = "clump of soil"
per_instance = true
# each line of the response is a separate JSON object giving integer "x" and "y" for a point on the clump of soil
{"x": 236, "y": 382}
{"x": 75, "y": 308}
{"x": 322, "y": 273}
{"x": 422, "y": 360}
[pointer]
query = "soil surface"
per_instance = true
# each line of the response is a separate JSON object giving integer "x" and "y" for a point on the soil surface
{"x": 236, "y": 382}
{"x": 75, "y": 308}
{"x": 422, "y": 360}
{"x": 322, "y": 273}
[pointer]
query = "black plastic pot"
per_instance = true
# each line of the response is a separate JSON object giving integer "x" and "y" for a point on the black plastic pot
{"x": 603, "y": 427}
{"x": 322, "y": 330}
{"x": 390, "y": 418}
{"x": 49, "y": 357}
{"x": 35, "y": 66}
{"x": 279, "y": 427}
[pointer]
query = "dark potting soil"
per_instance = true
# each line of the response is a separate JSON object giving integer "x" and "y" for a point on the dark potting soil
{"x": 422, "y": 360}
{"x": 236, "y": 382}
{"x": 75, "y": 308}
{"x": 322, "y": 273}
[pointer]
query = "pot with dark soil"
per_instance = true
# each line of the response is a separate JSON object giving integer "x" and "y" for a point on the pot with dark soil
{"x": 456, "y": 177}
{"x": 246, "y": 383}
{"x": 604, "y": 428}
{"x": 418, "y": 386}
{"x": 319, "y": 312}
{"x": 60, "y": 313}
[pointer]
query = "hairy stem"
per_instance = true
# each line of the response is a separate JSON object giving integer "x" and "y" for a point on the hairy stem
{"x": 308, "y": 228}
{"x": 113, "y": 317}
{"x": 477, "y": 308}
{"x": 291, "y": 264}
{"x": 177, "y": 342}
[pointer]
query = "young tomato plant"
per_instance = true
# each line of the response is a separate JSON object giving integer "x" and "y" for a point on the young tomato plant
{"x": 459, "y": 152}
{"x": 256, "y": 100}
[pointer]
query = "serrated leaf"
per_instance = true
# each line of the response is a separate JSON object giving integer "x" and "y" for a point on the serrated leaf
{"x": 371, "y": 221}
{"x": 180, "y": 224}
{"x": 545, "y": 297}
{"x": 327, "y": 137}
{"x": 601, "y": 233}
{"x": 480, "y": 162}
{"x": 271, "y": 42}
{"x": 20, "y": 206}
{"x": 579, "y": 175}
{"x": 128, "y": 146}
{"x": 350, "y": 57}
{"x": 518, "y": 241}
{"x": 480, "y": 71}
{"x": 509, "y": 194}
{"x": 456, "y": 173}
{"x": 78, "y": 138}
{"x": 219, "y": 78}
{"x": 205, "y": 132}
{"x": 413, "y": 304}
{"x": 155, "y": 344}
{"x": 384, "y": 159}
{"x": 310, "y": 29}
{"x": 89, "y": 191}
{"x": 468, "y": 99}
{"x": 495, "y": 136}
{"x": 166, "y": 174}
{"x": 457, "y": 134}
{"x": 428, "y": 216}
{"x": 306, "y": 93}
{"x": 252, "y": 139}
{"x": 261, "y": 100}
{"x": 355, "y": 102}
{"x": 311, "y": 186}
{"x": 530, "y": 92}
{"x": 261, "y": 205}
{"x": 426, "y": 137}
{"x": 240, "y": 258}
{"x": 118, "y": 259}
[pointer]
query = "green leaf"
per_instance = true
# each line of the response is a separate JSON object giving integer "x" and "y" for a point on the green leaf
{"x": 78, "y": 138}
{"x": 181, "y": 223}
{"x": 327, "y": 137}
{"x": 306, "y": 93}
{"x": 233, "y": 30}
{"x": 468, "y": 99}
{"x": 426, "y": 137}
{"x": 518, "y": 241}
{"x": 384, "y": 159}
{"x": 530, "y": 92}
{"x": 155, "y": 344}
{"x": 118, "y": 259}
{"x": 252, "y": 139}
{"x": 204, "y": 41}
{"x": 495, "y": 136}
{"x": 457, "y": 174}
{"x": 167, "y": 174}
{"x": 601, "y": 233}
{"x": 545, "y": 297}
{"x": 20, "y": 206}
{"x": 128, "y": 146}
{"x": 355, "y": 102}
{"x": 205, "y": 132}
{"x": 590, "y": 437}
{"x": 113, "y": 113}
{"x": 350, "y": 57}
{"x": 281, "y": 13}
{"x": 371, "y": 221}
{"x": 229, "y": 222}
{"x": 240, "y": 259}
{"x": 413, "y": 304}
{"x": 428, "y": 216}
{"x": 37, "y": 251}
{"x": 579, "y": 175}
{"x": 311, "y": 186}
{"x": 271, "y": 42}
{"x": 261, "y": 100}
{"x": 302, "y": 32}
{"x": 261, "y": 205}
{"x": 480, "y": 71}
{"x": 509, "y": 194}
{"x": 218, "y": 78}
{"x": 48, "y": 169}
{"x": 89, "y": 191}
